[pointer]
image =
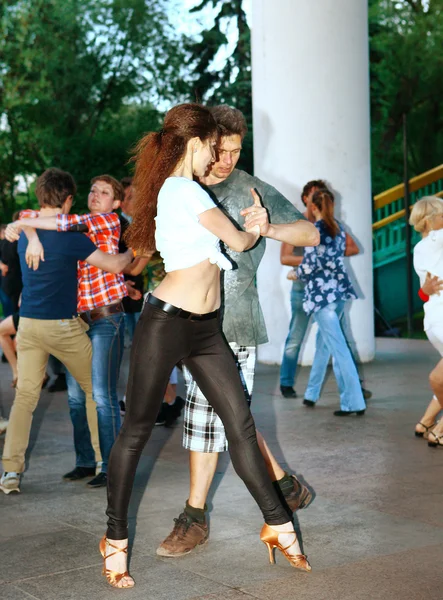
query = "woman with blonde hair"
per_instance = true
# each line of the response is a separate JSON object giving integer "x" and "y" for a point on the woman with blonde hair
{"x": 327, "y": 289}
{"x": 427, "y": 218}
{"x": 180, "y": 322}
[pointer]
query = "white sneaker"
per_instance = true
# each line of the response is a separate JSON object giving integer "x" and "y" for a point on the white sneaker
{"x": 3, "y": 425}
{"x": 10, "y": 482}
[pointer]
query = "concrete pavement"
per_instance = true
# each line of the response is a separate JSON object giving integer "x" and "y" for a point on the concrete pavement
{"x": 374, "y": 530}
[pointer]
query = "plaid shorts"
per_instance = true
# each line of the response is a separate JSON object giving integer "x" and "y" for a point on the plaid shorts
{"x": 203, "y": 430}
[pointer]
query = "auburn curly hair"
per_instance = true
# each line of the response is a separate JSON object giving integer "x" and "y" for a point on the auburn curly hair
{"x": 156, "y": 156}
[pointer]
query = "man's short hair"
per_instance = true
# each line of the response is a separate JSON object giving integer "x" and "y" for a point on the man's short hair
{"x": 230, "y": 121}
{"x": 315, "y": 183}
{"x": 126, "y": 182}
{"x": 119, "y": 192}
{"x": 53, "y": 188}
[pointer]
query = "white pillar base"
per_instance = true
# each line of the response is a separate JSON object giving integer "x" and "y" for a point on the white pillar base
{"x": 310, "y": 73}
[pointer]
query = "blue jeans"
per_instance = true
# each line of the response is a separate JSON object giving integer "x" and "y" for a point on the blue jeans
{"x": 131, "y": 320}
{"x": 107, "y": 337}
{"x": 297, "y": 331}
{"x": 332, "y": 341}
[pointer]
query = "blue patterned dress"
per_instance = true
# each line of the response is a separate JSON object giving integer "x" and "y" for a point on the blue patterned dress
{"x": 324, "y": 273}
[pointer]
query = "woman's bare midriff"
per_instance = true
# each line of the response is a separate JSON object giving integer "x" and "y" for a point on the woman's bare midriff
{"x": 196, "y": 289}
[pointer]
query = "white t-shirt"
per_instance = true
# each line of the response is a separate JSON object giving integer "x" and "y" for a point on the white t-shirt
{"x": 179, "y": 237}
{"x": 428, "y": 258}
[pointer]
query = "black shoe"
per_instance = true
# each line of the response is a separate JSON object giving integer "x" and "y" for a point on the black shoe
{"x": 288, "y": 391}
{"x": 122, "y": 405}
{"x": 367, "y": 394}
{"x": 59, "y": 384}
{"x": 346, "y": 413}
{"x": 300, "y": 496}
{"x": 99, "y": 481}
{"x": 161, "y": 417}
{"x": 174, "y": 411}
{"x": 79, "y": 473}
{"x": 309, "y": 403}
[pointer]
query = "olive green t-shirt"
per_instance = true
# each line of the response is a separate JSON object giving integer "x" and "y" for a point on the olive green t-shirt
{"x": 243, "y": 320}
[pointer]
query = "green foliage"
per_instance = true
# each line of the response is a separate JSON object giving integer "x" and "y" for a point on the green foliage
{"x": 406, "y": 38}
{"x": 230, "y": 84}
{"x": 79, "y": 80}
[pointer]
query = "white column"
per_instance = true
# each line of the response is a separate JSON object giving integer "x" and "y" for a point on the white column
{"x": 310, "y": 74}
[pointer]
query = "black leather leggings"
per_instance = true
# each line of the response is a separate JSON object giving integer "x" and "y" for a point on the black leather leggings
{"x": 161, "y": 340}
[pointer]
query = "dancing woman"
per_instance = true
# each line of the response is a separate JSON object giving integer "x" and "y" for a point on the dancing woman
{"x": 327, "y": 289}
{"x": 427, "y": 218}
{"x": 180, "y": 322}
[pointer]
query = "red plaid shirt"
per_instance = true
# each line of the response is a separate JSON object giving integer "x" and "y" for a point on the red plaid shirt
{"x": 96, "y": 288}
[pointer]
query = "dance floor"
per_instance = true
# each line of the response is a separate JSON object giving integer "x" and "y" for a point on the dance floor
{"x": 373, "y": 531}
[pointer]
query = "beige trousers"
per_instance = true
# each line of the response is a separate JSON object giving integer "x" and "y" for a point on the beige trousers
{"x": 67, "y": 340}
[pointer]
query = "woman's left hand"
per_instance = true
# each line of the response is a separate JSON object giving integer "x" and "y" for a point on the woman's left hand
{"x": 256, "y": 215}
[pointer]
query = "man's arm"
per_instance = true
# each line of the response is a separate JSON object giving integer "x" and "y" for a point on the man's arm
{"x": 288, "y": 258}
{"x": 13, "y": 230}
{"x": 296, "y": 233}
{"x": 113, "y": 263}
{"x": 300, "y": 233}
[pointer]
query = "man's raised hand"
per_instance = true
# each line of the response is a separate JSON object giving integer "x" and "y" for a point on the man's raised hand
{"x": 256, "y": 216}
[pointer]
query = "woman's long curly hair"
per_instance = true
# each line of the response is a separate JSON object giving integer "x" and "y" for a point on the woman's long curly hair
{"x": 324, "y": 200}
{"x": 156, "y": 156}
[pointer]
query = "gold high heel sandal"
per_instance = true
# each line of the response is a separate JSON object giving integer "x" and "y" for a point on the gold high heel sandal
{"x": 270, "y": 537}
{"x": 113, "y": 577}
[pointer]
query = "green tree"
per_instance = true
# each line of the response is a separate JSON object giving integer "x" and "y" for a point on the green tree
{"x": 406, "y": 38}
{"x": 230, "y": 84}
{"x": 79, "y": 82}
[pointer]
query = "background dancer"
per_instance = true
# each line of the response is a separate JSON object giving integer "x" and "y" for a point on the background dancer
{"x": 100, "y": 304}
{"x": 427, "y": 218}
{"x": 48, "y": 318}
{"x": 293, "y": 256}
{"x": 327, "y": 289}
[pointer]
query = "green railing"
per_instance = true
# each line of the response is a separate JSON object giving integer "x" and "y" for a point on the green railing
{"x": 389, "y": 226}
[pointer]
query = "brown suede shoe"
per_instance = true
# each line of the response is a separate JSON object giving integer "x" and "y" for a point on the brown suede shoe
{"x": 186, "y": 535}
{"x": 300, "y": 497}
